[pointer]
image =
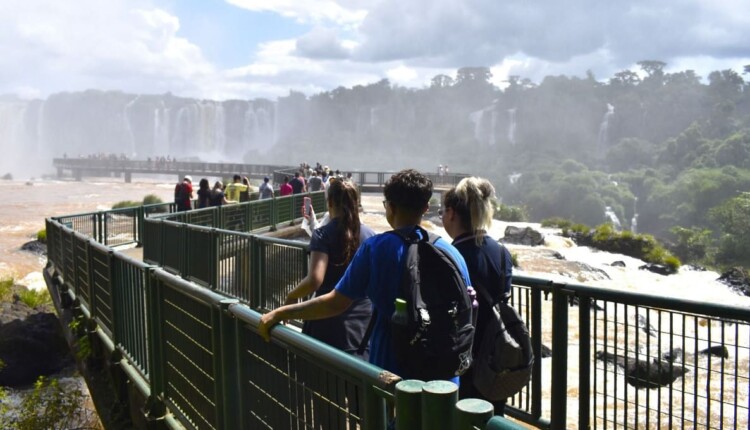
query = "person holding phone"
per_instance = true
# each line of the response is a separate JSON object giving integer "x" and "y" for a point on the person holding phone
{"x": 331, "y": 249}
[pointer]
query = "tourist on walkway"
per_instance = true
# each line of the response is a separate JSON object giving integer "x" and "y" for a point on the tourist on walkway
{"x": 265, "y": 190}
{"x": 183, "y": 194}
{"x": 204, "y": 192}
{"x": 331, "y": 249}
{"x": 217, "y": 196}
{"x": 285, "y": 189}
{"x": 375, "y": 271}
{"x": 235, "y": 189}
{"x": 245, "y": 196}
{"x": 466, "y": 214}
{"x": 315, "y": 183}
{"x": 298, "y": 185}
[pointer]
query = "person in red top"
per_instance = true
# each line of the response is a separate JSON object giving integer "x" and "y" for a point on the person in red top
{"x": 285, "y": 189}
{"x": 183, "y": 195}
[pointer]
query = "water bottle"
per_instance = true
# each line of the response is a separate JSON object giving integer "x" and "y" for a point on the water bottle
{"x": 474, "y": 304}
{"x": 400, "y": 317}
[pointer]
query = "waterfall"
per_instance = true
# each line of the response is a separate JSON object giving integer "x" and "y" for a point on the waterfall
{"x": 161, "y": 130}
{"x": 476, "y": 117}
{"x": 604, "y": 126}
{"x": 220, "y": 129}
{"x": 493, "y": 126}
{"x": 512, "y": 126}
{"x": 128, "y": 125}
{"x": 611, "y": 216}
{"x": 514, "y": 177}
{"x": 634, "y": 220}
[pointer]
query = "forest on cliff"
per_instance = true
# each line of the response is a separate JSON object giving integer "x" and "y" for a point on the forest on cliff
{"x": 669, "y": 152}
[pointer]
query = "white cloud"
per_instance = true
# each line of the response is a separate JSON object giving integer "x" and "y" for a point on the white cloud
{"x": 117, "y": 44}
{"x": 321, "y": 43}
{"x": 314, "y": 11}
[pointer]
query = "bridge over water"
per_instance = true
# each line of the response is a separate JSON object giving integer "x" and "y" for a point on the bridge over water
{"x": 80, "y": 167}
{"x": 178, "y": 330}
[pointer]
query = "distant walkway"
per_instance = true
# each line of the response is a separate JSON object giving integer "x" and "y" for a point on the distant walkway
{"x": 370, "y": 181}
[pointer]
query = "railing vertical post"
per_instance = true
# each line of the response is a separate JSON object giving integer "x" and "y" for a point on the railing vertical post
{"x": 93, "y": 307}
{"x": 374, "y": 413}
{"x": 219, "y": 217}
{"x": 471, "y": 413}
{"x": 409, "y": 404}
{"x": 214, "y": 255}
{"x": 155, "y": 406}
{"x": 247, "y": 215}
{"x": 273, "y": 215}
{"x": 438, "y": 403}
{"x": 536, "y": 344}
{"x": 140, "y": 218}
{"x": 183, "y": 264}
{"x": 558, "y": 400}
{"x": 228, "y": 364}
{"x": 584, "y": 362}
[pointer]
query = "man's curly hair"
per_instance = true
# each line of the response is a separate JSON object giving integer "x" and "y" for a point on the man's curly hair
{"x": 409, "y": 190}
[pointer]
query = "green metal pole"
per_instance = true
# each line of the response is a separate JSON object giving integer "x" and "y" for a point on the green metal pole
{"x": 438, "y": 402}
{"x": 558, "y": 401}
{"x": 501, "y": 423}
{"x": 472, "y": 413}
{"x": 374, "y": 413}
{"x": 409, "y": 404}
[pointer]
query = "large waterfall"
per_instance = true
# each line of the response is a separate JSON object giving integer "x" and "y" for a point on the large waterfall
{"x": 137, "y": 126}
{"x": 604, "y": 126}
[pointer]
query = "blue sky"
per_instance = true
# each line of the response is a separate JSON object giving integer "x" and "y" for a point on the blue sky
{"x": 246, "y": 49}
{"x": 227, "y": 34}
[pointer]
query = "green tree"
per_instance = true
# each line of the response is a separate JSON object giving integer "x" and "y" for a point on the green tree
{"x": 733, "y": 216}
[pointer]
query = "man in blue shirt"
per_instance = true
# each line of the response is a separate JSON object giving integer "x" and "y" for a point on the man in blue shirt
{"x": 376, "y": 269}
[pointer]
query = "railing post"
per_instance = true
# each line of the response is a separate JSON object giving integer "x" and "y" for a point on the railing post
{"x": 584, "y": 362}
{"x": 228, "y": 367}
{"x": 536, "y": 344}
{"x": 155, "y": 408}
{"x": 214, "y": 255}
{"x": 559, "y": 398}
{"x": 409, "y": 404}
{"x": 471, "y": 413}
{"x": 374, "y": 413}
{"x": 140, "y": 218}
{"x": 438, "y": 403}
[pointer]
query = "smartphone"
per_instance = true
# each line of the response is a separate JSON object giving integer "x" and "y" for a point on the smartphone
{"x": 307, "y": 206}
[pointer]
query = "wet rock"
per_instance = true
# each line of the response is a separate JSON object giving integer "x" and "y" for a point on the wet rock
{"x": 647, "y": 328}
{"x": 618, "y": 263}
{"x": 546, "y": 351}
{"x": 716, "y": 351}
{"x": 35, "y": 247}
{"x": 523, "y": 236}
{"x": 658, "y": 268}
{"x": 32, "y": 347}
{"x": 643, "y": 373}
{"x": 738, "y": 279}
{"x": 576, "y": 301}
{"x": 673, "y": 355}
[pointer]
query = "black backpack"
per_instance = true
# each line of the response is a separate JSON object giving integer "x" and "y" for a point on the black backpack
{"x": 436, "y": 341}
{"x": 503, "y": 364}
{"x": 179, "y": 194}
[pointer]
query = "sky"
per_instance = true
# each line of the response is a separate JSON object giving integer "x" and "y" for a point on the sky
{"x": 247, "y": 49}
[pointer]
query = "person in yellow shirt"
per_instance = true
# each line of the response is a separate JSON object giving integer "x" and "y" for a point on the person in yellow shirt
{"x": 235, "y": 189}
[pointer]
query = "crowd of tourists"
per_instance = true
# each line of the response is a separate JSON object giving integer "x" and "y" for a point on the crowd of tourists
{"x": 361, "y": 288}
{"x": 304, "y": 179}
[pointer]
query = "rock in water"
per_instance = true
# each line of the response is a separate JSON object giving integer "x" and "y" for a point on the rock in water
{"x": 523, "y": 236}
{"x": 738, "y": 279}
{"x": 645, "y": 374}
{"x": 31, "y": 348}
{"x": 35, "y": 246}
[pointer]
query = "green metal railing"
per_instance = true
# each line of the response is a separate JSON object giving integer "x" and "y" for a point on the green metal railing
{"x": 167, "y": 327}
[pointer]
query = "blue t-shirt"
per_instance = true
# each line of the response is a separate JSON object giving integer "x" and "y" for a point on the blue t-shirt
{"x": 375, "y": 272}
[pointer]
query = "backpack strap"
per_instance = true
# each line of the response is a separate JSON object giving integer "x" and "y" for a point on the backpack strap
{"x": 368, "y": 333}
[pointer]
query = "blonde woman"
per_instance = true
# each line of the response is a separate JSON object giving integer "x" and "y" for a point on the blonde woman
{"x": 467, "y": 214}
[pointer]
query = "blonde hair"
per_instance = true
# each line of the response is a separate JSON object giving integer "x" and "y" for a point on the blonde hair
{"x": 472, "y": 200}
